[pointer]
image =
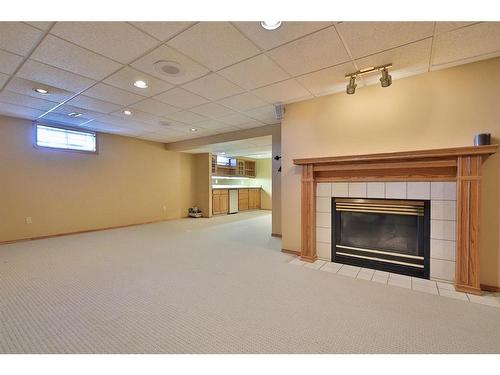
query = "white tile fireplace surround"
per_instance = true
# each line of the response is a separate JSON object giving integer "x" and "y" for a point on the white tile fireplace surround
{"x": 442, "y": 196}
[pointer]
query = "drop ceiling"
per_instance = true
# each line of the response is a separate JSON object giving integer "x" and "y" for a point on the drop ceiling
{"x": 256, "y": 148}
{"x": 233, "y": 71}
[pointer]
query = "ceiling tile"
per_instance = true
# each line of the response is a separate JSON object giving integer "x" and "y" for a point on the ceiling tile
{"x": 3, "y": 79}
{"x": 262, "y": 141}
{"x": 283, "y": 92}
{"x": 139, "y": 116}
{"x": 235, "y": 119}
{"x": 112, "y": 94}
{"x": 255, "y": 72}
{"x": 327, "y": 80}
{"x": 19, "y": 111}
{"x": 171, "y": 126}
{"x": 17, "y": 37}
{"x": 310, "y": 53}
{"x": 287, "y": 32}
{"x": 410, "y": 59}
{"x": 181, "y": 98}
{"x": 61, "y": 54}
{"x": 102, "y": 127}
{"x": 49, "y": 75}
{"x": 468, "y": 42}
{"x": 162, "y": 30}
{"x": 97, "y": 105}
{"x": 211, "y": 125}
{"x": 264, "y": 114}
{"x": 122, "y": 121}
{"x": 26, "y": 101}
{"x": 242, "y": 102}
{"x": 192, "y": 69}
{"x": 214, "y": 44}
{"x": 212, "y": 110}
{"x": 213, "y": 87}
{"x": 186, "y": 117}
{"x": 86, "y": 114}
{"x": 40, "y": 25}
{"x": 443, "y": 27}
{"x": 25, "y": 87}
{"x": 9, "y": 62}
{"x": 126, "y": 77}
{"x": 365, "y": 38}
{"x": 117, "y": 40}
{"x": 155, "y": 107}
{"x": 64, "y": 119}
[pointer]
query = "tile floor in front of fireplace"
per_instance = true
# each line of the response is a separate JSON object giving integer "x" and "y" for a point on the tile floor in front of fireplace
{"x": 401, "y": 281}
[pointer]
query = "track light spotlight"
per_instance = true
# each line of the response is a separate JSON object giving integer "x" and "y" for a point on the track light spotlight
{"x": 386, "y": 79}
{"x": 351, "y": 87}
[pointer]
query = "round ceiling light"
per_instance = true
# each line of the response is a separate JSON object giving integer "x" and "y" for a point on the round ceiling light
{"x": 40, "y": 91}
{"x": 141, "y": 84}
{"x": 194, "y": 129}
{"x": 169, "y": 68}
{"x": 127, "y": 112}
{"x": 270, "y": 25}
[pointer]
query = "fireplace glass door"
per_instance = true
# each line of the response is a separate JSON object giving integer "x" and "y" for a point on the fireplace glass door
{"x": 383, "y": 234}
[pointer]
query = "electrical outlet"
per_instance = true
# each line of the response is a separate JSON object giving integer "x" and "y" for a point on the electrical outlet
{"x": 28, "y": 220}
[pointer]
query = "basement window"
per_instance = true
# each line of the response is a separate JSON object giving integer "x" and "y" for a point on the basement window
{"x": 65, "y": 139}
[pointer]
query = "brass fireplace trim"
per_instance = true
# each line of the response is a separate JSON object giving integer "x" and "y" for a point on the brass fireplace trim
{"x": 396, "y": 207}
{"x": 382, "y": 260}
{"x": 399, "y": 255}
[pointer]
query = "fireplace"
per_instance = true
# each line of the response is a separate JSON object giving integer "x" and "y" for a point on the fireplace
{"x": 384, "y": 234}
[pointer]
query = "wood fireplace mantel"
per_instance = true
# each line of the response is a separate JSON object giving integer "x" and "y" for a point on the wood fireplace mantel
{"x": 461, "y": 164}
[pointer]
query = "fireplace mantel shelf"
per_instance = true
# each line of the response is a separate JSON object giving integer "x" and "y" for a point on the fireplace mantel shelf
{"x": 443, "y": 153}
{"x": 460, "y": 164}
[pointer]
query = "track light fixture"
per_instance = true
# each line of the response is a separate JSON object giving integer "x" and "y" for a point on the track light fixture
{"x": 351, "y": 87}
{"x": 385, "y": 80}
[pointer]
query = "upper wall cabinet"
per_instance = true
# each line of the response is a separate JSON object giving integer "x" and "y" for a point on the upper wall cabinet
{"x": 223, "y": 166}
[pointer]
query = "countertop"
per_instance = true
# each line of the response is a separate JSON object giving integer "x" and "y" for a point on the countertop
{"x": 235, "y": 187}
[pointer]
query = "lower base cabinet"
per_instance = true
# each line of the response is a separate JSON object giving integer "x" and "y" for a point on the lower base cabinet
{"x": 248, "y": 199}
{"x": 220, "y": 201}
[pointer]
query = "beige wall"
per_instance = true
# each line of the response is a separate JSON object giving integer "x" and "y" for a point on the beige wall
{"x": 129, "y": 181}
{"x": 434, "y": 110}
{"x": 264, "y": 178}
{"x": 276, "y": 180}
{"x": 204, "y": 183}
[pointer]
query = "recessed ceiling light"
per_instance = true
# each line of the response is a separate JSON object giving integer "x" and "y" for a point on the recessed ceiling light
{"x": 127, "y": 112}
{"x": 74, "y": 114}
{"x": 193, "y": 129}
{"x": 141, "y": 84}
{"x": 222, "y": 153}
{"x": 270, "y": 25}
{"x": 169, "y": 68}
{"x": 40, "y": 91}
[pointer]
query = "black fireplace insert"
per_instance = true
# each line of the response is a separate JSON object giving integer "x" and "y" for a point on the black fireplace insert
{"x": 383, "y": 234}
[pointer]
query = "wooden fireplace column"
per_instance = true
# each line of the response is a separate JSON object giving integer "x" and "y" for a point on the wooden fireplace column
{"x": 462, "y": 164}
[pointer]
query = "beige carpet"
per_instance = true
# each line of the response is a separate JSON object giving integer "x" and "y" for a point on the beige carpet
{"x": 214, "y": 286}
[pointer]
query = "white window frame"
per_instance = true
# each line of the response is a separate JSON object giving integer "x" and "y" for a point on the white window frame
{"x": 79, "y": 130}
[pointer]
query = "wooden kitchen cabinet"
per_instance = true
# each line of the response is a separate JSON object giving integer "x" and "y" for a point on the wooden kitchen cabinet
{"x": 220, "y": 201}
{"x": 242, "y": 199}
{"x": 253, "y": 199}
{"x": 249, "y": 199}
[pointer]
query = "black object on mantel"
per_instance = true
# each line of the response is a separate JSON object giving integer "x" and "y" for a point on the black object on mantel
{"x": 482, "y": 139}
